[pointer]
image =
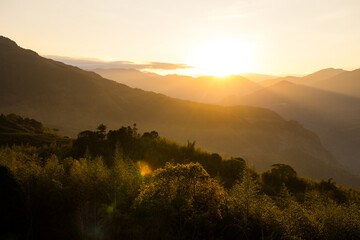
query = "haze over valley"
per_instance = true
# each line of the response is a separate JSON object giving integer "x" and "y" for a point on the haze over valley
{"x": 326, "y": 101}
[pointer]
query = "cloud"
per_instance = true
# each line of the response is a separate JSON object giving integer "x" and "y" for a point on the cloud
{"x": 96, "y": 63}
{"x": 166, "y": 66}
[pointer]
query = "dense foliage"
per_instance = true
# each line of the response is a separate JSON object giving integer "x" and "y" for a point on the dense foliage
{"x": 122, "y": 184}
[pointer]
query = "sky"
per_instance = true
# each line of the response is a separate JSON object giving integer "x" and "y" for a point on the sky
{"x": 279, "y": 37}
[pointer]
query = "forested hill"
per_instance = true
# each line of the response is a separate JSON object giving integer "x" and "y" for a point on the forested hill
{"x": 17, "y": 130}
{"x": 123, "y": 184}
{"x": 72, "y": 99}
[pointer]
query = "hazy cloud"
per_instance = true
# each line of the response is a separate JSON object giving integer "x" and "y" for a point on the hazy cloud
{"x": 165, "y": 66}
{"x": 96, "y": 63}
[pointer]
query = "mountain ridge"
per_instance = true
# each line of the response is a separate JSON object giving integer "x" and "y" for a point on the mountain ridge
{"x": 207, "y": 89}
{"x": 347, "y": 83}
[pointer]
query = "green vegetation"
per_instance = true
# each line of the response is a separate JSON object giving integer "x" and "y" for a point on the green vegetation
{"x": 122, "y": 184}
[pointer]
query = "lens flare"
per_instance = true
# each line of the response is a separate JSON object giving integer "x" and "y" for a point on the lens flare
{"x": 144, "y": 168}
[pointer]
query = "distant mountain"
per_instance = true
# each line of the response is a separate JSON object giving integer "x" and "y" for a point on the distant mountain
{"x": 207, "y": 89}
{"x": 270, "y": 82}
{"x": 305, "y": 80}
{"x": 256, "y": 77}
{"x": 347, "y": 83}
{"x": 320, "y": 75}
{"x": 73, "y": 99}
{"x": 334, "y": 117}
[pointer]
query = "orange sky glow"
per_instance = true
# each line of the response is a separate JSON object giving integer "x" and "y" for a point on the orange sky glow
{"x": 215, "y": 37}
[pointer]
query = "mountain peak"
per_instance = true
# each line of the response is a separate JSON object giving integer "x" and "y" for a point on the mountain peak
{"x": 285, "y": 83}
{"x": 7, "y": 41}
{"x": 329, "y": 70}
{"x": 321, "y": 75}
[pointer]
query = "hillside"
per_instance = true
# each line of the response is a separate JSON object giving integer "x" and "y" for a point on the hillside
{"x": 72, "y": 99}
{"x": 334, "y": 117}
{"x": 307, "y": 79}
{"x": 347, "y": 83}
{"x": 17, "y": 130}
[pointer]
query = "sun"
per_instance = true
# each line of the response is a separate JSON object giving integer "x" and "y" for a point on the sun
{"x": 222, "y": 58}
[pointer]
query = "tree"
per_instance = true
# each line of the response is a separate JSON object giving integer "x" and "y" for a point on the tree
{"x": 183, "y": 196}
{"x": 246, "y": 194}
{"x": 283, "y": 171}
{"x": 101, "y": 131}
{"x": 232, "y": 170}
{"x": 255, "y": 214}
{"x": 282, "y": 174}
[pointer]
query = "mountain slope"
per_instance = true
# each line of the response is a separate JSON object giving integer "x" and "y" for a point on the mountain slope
{"x": 334, "y": 117}
{"x": 73, "y": 99}
{"x": 17, "y": 130}
{"x": 305, "y": 80}
{"x": 347, "y": 83}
